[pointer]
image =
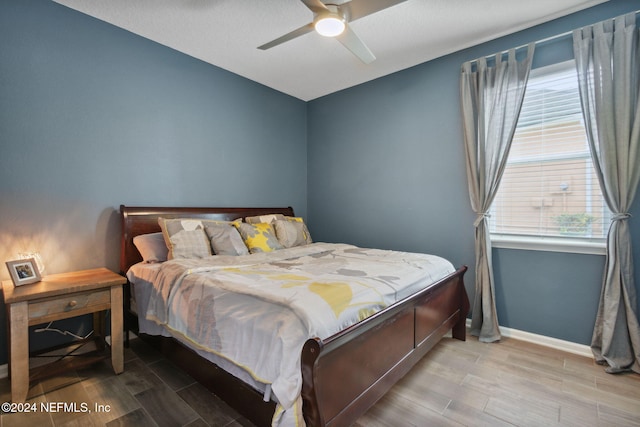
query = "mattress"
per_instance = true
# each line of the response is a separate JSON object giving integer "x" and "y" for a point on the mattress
{"x": 252, "y": 314}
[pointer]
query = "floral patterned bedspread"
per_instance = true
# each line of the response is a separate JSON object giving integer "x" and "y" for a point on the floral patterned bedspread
{"x": 258, "y": 310}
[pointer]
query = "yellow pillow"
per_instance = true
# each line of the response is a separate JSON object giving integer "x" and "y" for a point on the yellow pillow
{"x": 258, "y": 237}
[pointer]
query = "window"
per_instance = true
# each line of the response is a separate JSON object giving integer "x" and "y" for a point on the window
{"x": 549, "y": 193}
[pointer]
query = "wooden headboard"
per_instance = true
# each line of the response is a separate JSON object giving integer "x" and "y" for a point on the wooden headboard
{"x": 138, "y": 220}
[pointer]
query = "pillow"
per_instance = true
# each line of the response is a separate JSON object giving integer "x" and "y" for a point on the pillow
{"x": 225, "y": 240}
{"x": 291, "y": 232}
{"x": 186, "y": 238}
{"x": 263, "y": 218}
{"x": 152, "y": 247}
{"x": 258, "y": 237}
{"x": 307, "y": 235}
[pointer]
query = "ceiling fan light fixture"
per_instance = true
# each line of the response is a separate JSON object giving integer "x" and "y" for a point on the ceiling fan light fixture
{"x": 329, "y": 24}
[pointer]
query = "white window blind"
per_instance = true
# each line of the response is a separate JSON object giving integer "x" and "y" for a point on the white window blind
{"x": 549, "y": 187}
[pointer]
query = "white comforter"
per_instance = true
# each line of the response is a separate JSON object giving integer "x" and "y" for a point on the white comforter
{"x": 257, "y": 311}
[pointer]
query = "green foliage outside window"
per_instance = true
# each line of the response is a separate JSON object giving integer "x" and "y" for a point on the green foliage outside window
{"x": 574, "y": 224}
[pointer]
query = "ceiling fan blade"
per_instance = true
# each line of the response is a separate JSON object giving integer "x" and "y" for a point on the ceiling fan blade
{"x": 360, "y": 8}
{"x": 289, "y": 36}
{"x": 315, "y": 6}
{"x": 351, "y": 41}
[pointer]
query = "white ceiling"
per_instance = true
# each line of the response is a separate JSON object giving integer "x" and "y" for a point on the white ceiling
{"x": 226, "y": 33}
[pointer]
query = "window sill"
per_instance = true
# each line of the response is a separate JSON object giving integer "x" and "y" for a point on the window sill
{"x": 548, "y": 244}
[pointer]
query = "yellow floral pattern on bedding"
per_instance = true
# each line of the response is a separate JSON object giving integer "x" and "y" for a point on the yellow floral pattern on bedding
{"x": 339, "y": 296}
{"x": 258, "y": 237}
{"x": 287, "y": 296}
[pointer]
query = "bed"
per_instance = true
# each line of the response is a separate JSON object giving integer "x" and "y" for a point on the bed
{"x": 341, "y": 374}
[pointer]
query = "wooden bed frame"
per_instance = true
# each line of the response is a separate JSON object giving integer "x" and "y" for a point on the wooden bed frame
{"x": 343, "y": 375}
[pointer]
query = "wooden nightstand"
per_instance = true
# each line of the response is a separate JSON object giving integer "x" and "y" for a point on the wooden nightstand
{"x": 60, "y": 296}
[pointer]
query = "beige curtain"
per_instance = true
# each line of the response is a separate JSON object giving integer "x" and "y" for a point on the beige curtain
{"x": 491, "y": 98}
{"x": 608, "y": 64}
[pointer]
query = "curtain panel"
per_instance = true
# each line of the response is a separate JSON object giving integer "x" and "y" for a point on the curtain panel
{"x": 608, "y": 64}
{"x": 491, "y": 98}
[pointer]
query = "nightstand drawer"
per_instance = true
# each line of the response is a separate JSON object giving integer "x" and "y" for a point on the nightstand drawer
{"x": 69, "y": 306}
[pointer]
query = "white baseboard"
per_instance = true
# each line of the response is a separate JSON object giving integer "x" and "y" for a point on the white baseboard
{"x": 568, "y": 346}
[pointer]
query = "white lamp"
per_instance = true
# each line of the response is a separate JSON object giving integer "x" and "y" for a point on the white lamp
{"x": 330, "y": 23}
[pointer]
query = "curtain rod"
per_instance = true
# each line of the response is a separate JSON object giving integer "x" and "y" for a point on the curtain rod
{"x": 545, "y": 40}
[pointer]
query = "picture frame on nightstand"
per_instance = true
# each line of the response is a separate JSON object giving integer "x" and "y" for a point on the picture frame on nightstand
{"x": 24, "y": 271}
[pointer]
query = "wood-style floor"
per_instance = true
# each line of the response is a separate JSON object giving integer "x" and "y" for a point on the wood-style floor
{"x": 511, "y": 383}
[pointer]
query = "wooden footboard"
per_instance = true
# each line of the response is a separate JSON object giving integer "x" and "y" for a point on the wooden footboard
{"x": 346, "y": 374}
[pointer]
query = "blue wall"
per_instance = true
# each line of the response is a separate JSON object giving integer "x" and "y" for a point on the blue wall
{"x": 92, "y": 116}
{"x": 87, "y": 109}
{"x": 386, "y": 169}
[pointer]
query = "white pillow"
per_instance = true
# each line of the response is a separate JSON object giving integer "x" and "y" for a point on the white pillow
{"x": 152, "y": 247}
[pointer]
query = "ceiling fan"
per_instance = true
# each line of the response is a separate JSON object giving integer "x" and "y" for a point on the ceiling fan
{"x": 332, "y": 19}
